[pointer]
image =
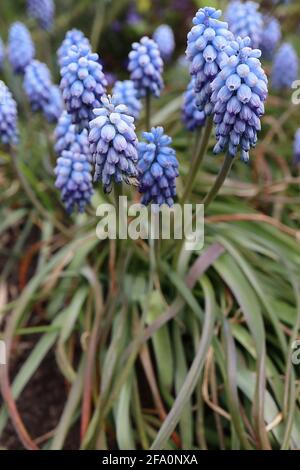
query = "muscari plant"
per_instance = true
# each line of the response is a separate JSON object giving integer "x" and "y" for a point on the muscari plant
{"x": 164, "y": 38}
{"x": 96, "y": 138}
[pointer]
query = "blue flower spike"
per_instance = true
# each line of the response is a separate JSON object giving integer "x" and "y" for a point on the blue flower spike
{"x": 239, "y": 92}
{"x": 164, "y": 38}
{"x": 113, "y": 144}
{"x": 146, "y": 67}
{"x": 158, "y": 168}
{"x": 245, "y": 20}
{"x": 83, "y": 84}
{"x": 8, "y": 117}
{"x": 74, "y": 37}
{"x": 205, "y": 52}
{"x": 43, "y": 12}
{"x": 285, "y": 67}
{"x": 74, "y": 179}
{"x": 21, "y": 50}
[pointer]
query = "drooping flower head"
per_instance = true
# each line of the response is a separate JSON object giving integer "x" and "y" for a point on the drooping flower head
{"x": 285, "y": 67}
{"x": 158, "y": 168}
{"x": 2, "y": 53}
{"x": 8, "y": 116}
{"x": 297, "y": 148}
{"x": 239, "y": 92}
{"x": 67, "y": 136}
{"x": 126, "y": 93}
{"x": 21, "y": 49}
{"x": 83, "y": 84}
{"x": 74, "y": 179}
{"x": 205, "y": 51}
{"x": 113, "y": 144}
{"x": 244, "y": 20}
{"x": 146, "y": 67}
{"x": 271, "y": 37}
{"x": 164, "y": 38}
{"x": 42, "y": 11}
{"x": 54, "y": 107}
{"x": 37, "y": 85}
{"x": 192, "y": 117}
{"x": 74, "y": 37}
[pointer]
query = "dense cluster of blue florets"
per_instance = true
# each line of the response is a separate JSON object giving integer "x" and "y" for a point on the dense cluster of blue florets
{"x": 239, "y": 92}
{"x": 113, "y": 144}
{"x": 158, "y": 168}
{"x": 205, "y": 51}
{"x": 146, "y": 67}
{"x": 21, "y": 49}
{"x": 42, "y": 11}
{"x": 285, "y": 67}
{"x": 8, "y": 116}
{"x": 83, "y": 83}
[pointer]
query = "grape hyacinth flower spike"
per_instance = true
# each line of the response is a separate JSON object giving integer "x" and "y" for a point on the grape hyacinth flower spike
{"x": 66, "y": 136}
{"x": 125, "y": 93}
{"x": 285, "y": 67}
{"x": 74, "y": 37}
{"x": 146, "y": 67}
{"x": 21, "y": 49}
{"x": 192, "y": 117}
{"x": 83, "y": 84}
{"x": 74, "y": 179}
{"x": 244, "y": 20}
{"x": 239, "y": 92}
{"x": 205, "y": 51}
{"x": 113, "y": 144}
{"x": 271, "y": 37}
{"x": 164, "y": 38}
{"x": 158, "y": 168}
{"x": 8, "y": 117}
{"x": 42, "y": 11}
{"x": 37, "y": 85}
{"x": 297, "y": 148}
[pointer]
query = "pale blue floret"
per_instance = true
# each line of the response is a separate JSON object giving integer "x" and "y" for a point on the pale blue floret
{"x": 113, "y": 144}
{"x": 192, "y": 117}
{"x": 239, "y": 92}
{"x": 205, "y": 52}
{"x": 8, "y": 117}
{"x": 285, "y": 67}
{"x": 74, "y": 179}
{"x": 21, "y": 49}
{"x": 74, "y": 37}
{"x": 164, "y": 38}
{"x": 42, "y": 11}
{"x": 146, "y": 67}
{"x": 83, "y": 83}
{"x": 245, "y": 20}
{"x": 158, "y": 168}
{"x": 271, "y": 37}
{"x": 125, "y": 93}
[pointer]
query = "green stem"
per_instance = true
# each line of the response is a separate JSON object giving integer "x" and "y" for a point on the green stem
{"x": 148, "y": 111}
{"x": 198, "y": 157}
{"x": 227, "y": 164}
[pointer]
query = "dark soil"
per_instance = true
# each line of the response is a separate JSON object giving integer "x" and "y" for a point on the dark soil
{"x": 40, "y": 405}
